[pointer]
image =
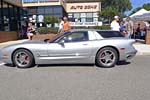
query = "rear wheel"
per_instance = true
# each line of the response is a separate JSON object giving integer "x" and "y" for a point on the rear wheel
{"x": 23, "y": 58}
{"x": 107, "y": 57}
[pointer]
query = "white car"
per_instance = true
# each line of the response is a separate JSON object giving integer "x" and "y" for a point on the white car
{"x": 101, "y": 47}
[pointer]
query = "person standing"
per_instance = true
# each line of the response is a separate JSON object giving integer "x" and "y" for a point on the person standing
{"x": 61, "y": 22}
{"x": 114, "y": 24}
{"x": 143, "y": 32}
{"x": 66, "y": 25}
{"x": 138, "y": 31}
{"x": 122, "y": 28}
{"x": 129, "y": 27}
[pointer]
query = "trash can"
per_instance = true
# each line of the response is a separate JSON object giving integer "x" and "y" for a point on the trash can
{"x": 147, "y": 36}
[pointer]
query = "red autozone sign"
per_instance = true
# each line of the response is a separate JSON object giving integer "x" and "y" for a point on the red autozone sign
{"x": 84, "y": 7}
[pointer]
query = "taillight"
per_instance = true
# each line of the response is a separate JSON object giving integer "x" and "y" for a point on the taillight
{"x": 122, "y": 48}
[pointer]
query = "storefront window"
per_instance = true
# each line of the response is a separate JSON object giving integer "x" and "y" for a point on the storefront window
{"x": 48, "y": 0}
{"x": 0, "y": 10}
{"x": 30, "y": 1}
{"x": 0, "y": 17}
{"x": 57, "y": 10}
{"x": 89, "y": 15}
{"x": 83, "y": 19}
{"x": 45, "y": 11}
{"x": 95, "y": 14}
{"x": 76, "y": 15}
{"x": 83, "y": 15}
{"x": 89, "y": 19}
{"x": 48, "y": 10}
{"x": 70, "y": 15}
{"x": 95, "y": 19}
{"x": 32, "y": 11}
{"x": 57, "y": 15}
{"x": 11, "y": 11}
{"x": 6, "y": 17}
{"x": 40, "y": 10}
{"x": 9, "y": 17}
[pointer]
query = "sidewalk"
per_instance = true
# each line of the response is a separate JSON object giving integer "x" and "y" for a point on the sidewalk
{"x": 143, "y": 49}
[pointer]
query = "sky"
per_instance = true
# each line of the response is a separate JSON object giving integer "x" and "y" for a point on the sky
{"x": 137, "y": 3}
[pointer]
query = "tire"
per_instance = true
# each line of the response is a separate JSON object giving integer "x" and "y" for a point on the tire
{"x": 107, "y": 57}
{"x": 22, "y": 58}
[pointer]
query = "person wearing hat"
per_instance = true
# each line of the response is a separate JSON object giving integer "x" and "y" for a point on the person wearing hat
{"x": 114, "y": 24}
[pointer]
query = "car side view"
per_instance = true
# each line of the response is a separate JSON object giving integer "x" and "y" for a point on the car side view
{"x": 101, "y": 47}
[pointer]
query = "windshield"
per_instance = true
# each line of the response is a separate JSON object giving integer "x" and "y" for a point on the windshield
{"x": 57, "y": 37}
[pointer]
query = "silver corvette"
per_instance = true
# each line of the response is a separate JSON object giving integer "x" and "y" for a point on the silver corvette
{"x": 101, "y": 47}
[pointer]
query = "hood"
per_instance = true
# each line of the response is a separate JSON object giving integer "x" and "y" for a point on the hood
{"x": 25, "y": 43}
{"x": 33, "y": 41}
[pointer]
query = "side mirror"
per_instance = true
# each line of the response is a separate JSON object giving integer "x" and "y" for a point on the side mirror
{"x": 62, "y": 42}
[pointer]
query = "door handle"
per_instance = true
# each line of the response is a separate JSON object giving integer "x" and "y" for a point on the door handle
{"x": 85, "y": 44}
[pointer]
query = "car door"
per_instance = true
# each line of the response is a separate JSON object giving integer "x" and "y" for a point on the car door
{"x": 72, "y": 48}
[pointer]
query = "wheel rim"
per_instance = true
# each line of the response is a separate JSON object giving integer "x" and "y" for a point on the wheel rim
{"x": 22, "y": 59}
{"x": 107, "y": 57}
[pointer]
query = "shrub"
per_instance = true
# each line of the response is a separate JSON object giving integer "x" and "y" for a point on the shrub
{"x": 42, "y": 30}
{"x": 104, "y": 27}
{"x": 45, "y": 30}
{"x": 50, "y": 20}
{"x": 53, "y": 30}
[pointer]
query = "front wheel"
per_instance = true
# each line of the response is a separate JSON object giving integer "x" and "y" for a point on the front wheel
{"x": 107, "y": 57}
{"x": 23, "y": 58}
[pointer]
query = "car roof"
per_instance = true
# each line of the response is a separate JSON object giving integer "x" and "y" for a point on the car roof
{"x": 73, "y": 30}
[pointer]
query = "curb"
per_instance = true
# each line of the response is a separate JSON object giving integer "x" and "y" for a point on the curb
{"x": 143, "y": 53}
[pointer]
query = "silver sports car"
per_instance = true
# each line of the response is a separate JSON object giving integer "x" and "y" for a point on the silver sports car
{"x": 101, "y": 47}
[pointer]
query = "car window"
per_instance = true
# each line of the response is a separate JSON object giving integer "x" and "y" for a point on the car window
{"x": 58, "y": 37}
{"x": 76, "y": 37}
{"x": 109, "y": 34}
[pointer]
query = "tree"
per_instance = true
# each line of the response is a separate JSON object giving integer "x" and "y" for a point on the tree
{"x": 108, "y": 13}
{"x": 114, "y": 7}
{"x": 145, "y": 6}
{"x": 135, "y": 10}
{"x": 120, "y": 5}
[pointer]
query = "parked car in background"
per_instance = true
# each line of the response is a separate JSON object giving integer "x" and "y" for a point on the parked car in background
{"x": 101, "y": 47}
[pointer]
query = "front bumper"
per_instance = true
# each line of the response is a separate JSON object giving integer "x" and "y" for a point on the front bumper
{"x": 5, "y": 59}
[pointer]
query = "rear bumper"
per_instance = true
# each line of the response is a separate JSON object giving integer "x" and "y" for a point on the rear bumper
{"x": 131, "y": 54}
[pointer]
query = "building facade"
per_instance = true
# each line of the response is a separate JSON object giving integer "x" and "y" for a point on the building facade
{"x": 9, "y": 19}
{"x": 83, "y": 12}
{"x": 76, "y": 10}
{"x": 13, "y": 12}
{"x": 44, "y": 8}
{"x": 9, "y": 14}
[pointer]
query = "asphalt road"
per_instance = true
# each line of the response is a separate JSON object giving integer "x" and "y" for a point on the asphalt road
{"x": 126, "y": 81}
